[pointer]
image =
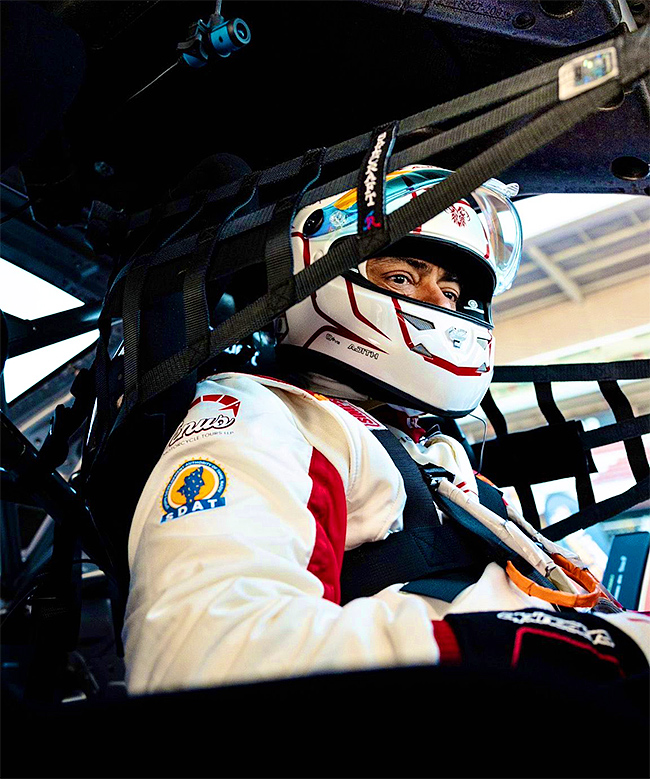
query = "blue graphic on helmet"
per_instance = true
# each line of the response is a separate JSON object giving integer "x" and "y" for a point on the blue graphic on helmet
{"x": 491, "y": 200}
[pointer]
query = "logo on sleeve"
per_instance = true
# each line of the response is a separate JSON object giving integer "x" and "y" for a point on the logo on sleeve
{"x": 198, "y": 485}
{"x": 224, "y": 410}
{"x": 226, "y": 405}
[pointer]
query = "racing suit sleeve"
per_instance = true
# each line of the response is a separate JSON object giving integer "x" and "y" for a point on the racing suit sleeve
{"x": 235, "y": 553}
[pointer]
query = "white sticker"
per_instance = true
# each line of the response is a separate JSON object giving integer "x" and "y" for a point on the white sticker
{"x": 587, "y": 71}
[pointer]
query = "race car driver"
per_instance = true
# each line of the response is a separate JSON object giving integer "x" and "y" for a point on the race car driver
{"x": 238, "y": 541}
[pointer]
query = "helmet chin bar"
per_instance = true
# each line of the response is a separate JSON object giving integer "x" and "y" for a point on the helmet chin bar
{"x": 293, "y": 359}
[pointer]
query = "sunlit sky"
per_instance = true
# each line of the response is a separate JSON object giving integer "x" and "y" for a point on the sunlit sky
{"x": 546, "y": 212}
{"x": 28, "y": 297}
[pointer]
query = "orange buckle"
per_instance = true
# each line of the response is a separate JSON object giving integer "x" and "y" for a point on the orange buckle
{"x": 595, "y": 591}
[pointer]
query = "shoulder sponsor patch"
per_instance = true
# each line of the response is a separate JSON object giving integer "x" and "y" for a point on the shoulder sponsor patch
{"x": 223, "y": 417}
{"x": 197, "y": 485}
{"x": 226, "y": 404}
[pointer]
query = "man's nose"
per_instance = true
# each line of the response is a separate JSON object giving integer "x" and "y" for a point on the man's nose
{"x": 431, "y": 293}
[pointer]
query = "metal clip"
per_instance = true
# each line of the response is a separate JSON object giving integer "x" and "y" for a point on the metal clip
{"x": 435, "y": 474}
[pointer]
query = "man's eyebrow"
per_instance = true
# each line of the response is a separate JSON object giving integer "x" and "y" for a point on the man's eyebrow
{"x": 417, "y": 264}
{"x": 449, "y": 276}
{"x": 424, "y": 264}
{"x": 420, "y": 265}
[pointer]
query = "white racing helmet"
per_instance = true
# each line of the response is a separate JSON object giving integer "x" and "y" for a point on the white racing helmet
{"x": 387, "y": 345}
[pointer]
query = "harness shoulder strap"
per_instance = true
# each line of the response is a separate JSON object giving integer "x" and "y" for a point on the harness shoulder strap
{"x": 451, "y": 556}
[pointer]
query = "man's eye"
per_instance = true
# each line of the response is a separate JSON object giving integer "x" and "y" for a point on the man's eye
{"x": 449, "y": 293}
{"x": 400, "y": 278}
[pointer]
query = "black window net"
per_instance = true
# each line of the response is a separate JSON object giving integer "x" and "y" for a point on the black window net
{"x": 563, "y": 447}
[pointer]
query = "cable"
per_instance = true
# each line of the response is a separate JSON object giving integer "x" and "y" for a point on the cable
{"x": 19, "y": 602}
{"x": 480, "y": 459}
{"x": 160, "y": 75}
{"x": 19, "y": 210}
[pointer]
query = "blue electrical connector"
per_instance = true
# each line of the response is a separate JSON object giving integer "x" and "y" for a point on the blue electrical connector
{"x": 205, "y": 40}
{"x": 217, "y": 36}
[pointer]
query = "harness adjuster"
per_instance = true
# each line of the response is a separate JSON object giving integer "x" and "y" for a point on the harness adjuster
{"x": 434, "y": 474}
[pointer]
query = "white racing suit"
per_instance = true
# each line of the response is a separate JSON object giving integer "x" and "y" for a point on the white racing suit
{"x": 237, "y": 542}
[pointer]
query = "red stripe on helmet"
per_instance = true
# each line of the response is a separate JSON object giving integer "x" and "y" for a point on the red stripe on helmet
{"x": 305, "y": 247}
{"x": 357, "y": 313}
{"x": 339, "y": 329}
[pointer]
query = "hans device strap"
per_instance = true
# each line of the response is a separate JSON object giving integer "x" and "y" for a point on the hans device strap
{"x": 372, "y": 226}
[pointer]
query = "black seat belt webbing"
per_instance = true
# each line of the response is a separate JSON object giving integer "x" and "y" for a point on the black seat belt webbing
{"x": 279, "y": 257}
{"x": 622, "y": 410}
{"x": 494, "y": 415}
{"x": 131, "y": 280}
{"x": 492, "y": 498}
{"x": 196, "y": 311}
{"x": 605, "y": 509}
{"x": 500, "y": 552}
{"x": 278, "y": 252}
{"x": 418, "y": 506}
{"x": 131, "y": 307}
{"x": 546, "y": 402}
{"x": 197, "y": 202}
{"x": 424, "y": 547}
{"x": 195, "y": 300}
{"x": 406, "y": 556}
{"x": 182, "y": 248}
{"x": 582, "y": 371}
{"x": 439, "y": 559}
